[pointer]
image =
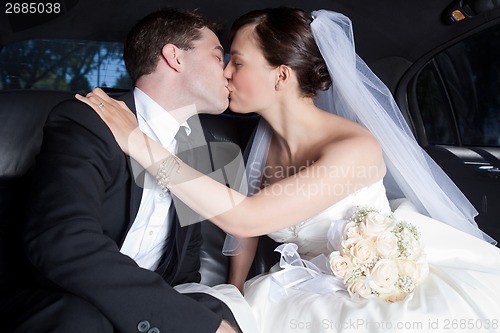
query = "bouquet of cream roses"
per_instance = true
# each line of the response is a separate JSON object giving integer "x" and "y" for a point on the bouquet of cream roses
{"x": 379, "y": 256}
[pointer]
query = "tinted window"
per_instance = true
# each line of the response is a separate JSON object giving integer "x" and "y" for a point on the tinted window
{"x": 63, "y": 65}
{"x": 458, "y": 92}
{"x": 437, "y": 115}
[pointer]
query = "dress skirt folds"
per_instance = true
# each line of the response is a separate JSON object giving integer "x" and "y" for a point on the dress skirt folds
{"x": 461, "y": 292}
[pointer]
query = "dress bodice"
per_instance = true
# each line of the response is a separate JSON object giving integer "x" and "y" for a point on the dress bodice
{"x": 311, "y": 234}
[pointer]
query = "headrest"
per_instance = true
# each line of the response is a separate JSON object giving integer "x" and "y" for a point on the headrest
{"x": 22, "y": 115}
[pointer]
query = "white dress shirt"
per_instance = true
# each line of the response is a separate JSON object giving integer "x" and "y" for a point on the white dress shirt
{"x": 149, "y": 233}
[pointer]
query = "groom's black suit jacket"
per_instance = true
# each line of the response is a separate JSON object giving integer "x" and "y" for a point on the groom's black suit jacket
{"x": 84, "y": 200}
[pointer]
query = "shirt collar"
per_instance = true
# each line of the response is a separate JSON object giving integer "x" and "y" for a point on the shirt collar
{"x": 155, "y": 120}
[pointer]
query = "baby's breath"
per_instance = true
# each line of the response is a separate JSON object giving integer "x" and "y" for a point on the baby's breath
{"x": 356, "y": 273}
{"x": 406, "y": 284}
{"x": 369, "y": 266}
{"x": 398, "y": 231}
{"x": 402, "y": 244}
{"x": 360, "y": 213}
{"x": 400, "y": 226}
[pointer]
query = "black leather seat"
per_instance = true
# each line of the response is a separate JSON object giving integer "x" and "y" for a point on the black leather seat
{"x": 22, "y": 115}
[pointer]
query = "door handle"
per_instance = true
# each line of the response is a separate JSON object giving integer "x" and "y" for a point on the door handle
{"x": 490, "y": 171}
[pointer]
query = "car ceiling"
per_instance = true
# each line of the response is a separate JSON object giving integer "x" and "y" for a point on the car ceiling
{"x": 402, "y": 29}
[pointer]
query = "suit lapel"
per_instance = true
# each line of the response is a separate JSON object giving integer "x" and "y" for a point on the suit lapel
{"x": 135, "y": 189}
{"x": 135, "y": 193}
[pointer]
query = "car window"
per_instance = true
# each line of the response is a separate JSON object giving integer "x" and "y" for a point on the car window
{"x": 70, "y": 65}
{"x": 457, "y": 92}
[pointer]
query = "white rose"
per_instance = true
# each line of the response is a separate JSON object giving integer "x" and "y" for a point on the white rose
{"x": 384, "y": 276}
{"x": 387, "y": 245}
{"x": 352, "y": 235}
{"x": 377, "y": 223}
{"x": 348, "y": 244}
{"x": 359, "y": 286}
{"x": 363, "y": 252}
{"x": 340, "y": 265}
{"x": 407, "y": 268}
{"x": 394, "y": 296}
{"x": 353, "y": 230}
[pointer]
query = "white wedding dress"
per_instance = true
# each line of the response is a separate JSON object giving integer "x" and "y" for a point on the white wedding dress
{"x": 460, "y": 294}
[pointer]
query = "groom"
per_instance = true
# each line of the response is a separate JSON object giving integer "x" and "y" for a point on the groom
{"x": 106, "y": 253}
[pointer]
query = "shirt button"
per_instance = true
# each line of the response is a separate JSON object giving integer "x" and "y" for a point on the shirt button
{"x": 143, "y": 326}
{"x": 151, "y": 233}
{"x": 154, "y": 330}
{"x": 161, "y": 195}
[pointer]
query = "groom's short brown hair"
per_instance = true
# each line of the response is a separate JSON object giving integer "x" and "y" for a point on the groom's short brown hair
{"x": 148, "y": 36}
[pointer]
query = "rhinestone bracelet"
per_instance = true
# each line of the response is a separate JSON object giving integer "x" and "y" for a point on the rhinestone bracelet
{"x": 167, "y": 166}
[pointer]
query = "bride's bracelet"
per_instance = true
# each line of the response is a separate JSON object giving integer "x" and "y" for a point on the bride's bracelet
{"x": 167, "y": 166}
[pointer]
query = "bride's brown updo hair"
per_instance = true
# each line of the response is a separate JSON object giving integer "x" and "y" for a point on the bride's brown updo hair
{"x": 286, "y": 38}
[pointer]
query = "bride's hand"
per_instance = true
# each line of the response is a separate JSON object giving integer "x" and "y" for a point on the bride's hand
{"x": 120, "y": 120}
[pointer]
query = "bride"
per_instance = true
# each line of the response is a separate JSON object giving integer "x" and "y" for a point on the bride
{"x": 308, "y": 168}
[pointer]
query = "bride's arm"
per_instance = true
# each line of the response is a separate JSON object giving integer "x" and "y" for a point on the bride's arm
{"x": 345, "y": 169}
{"x": 240, "y": 264}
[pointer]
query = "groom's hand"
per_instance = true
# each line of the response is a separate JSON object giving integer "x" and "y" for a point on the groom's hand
{"x": 225, "y": 327}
